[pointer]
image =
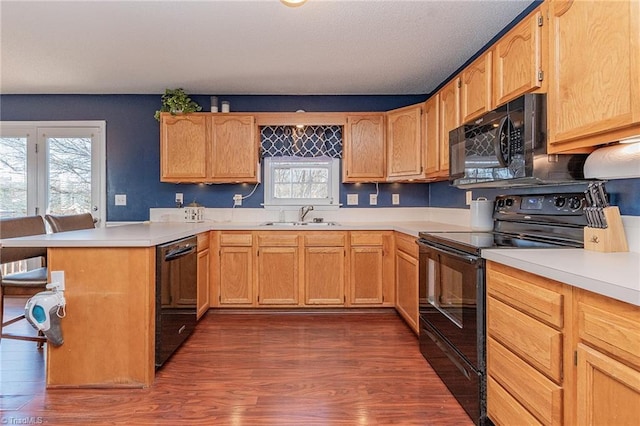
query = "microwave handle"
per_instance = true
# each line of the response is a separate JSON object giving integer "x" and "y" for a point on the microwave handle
{"x": 502, "y": 132}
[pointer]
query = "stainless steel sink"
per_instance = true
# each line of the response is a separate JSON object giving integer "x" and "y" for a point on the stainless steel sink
{"x": 306, "y": 224}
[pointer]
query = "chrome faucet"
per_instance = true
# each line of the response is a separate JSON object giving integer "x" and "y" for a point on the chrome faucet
{"x": 304, "y": 210}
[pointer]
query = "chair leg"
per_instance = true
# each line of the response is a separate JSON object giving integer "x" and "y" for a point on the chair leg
{"x": 1, "y": 310}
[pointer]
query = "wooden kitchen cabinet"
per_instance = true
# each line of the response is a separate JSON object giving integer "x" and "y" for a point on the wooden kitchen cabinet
{"x": 184, "y": 146}
{"x": 324, "y": 268}
{"x": 433, "y": 167}
{"x": 476, "y": 88}
{"x": 203, "y": 273}
{"x": 204, "y": 147}
{"x": 608, "y": 360}
{"x": 371, "y": 269}
{"x": 594, "y": 79}
{"x": 527, "y": 332}
{"x": 234, "y": 148}
{"x": 518, "y": 59}
{"x": 235, "y": 280}
{"x": 449, "y": 118}
{"x": 364, "y": 148}
{"x": 277, "y": 272}
{"x": 404, "y": 143}
{"x": 407, "y": 271}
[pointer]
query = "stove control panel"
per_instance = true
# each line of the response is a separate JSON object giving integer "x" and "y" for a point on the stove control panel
{"x": 567, "y": 204}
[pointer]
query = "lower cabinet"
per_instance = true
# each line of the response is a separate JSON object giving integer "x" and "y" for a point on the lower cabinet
{"x": 303, "y": 269}
{"x": 277, "y": 271}
{"x": 324, "y": 268}
{"x": 235, "y": 273}
{"x": 559, "y": 355}
{"x": 407, "y": 271}
{"x": 203, "y": 274}
{"x": 608, "y": 360}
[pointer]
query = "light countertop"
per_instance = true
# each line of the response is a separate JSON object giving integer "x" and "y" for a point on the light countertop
{"x": 616, "y": 275}
{"x": 154, "y": 233}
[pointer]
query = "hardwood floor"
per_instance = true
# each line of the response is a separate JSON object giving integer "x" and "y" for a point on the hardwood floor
{"x": 253, "y": 369}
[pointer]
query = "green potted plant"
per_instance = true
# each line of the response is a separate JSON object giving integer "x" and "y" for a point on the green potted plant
{"x": 176, "y": 101}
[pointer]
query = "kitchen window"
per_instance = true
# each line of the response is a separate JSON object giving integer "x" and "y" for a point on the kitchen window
{"x": 52, "y": 167}
{"x": 300, "y": 181}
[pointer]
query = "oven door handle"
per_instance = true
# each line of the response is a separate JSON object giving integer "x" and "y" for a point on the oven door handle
{"x": 451, "y": 252}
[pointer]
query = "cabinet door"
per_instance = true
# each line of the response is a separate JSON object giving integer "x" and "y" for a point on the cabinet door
{"x": 594, "y": 82}
{"x": 364, "y": 148}
{"x": 475, "y": 96}
{"x": 203, "y": 282}
{"x": 366, "y": 272}
{"x": 277, "y": 276}
{"x": 404, "y": 143}
{"x": 608, "y": 391}
{"x": 236, "y": 275}
{"x": 183, "y": 148}
{"x": 517, "y": 58}
{"x": 324, "y": 275}
{"x": 407, "y": 288}
{"x": 449, "y": 118}
{"x": 234, "y": 152}
{"x": 431, "y": 136}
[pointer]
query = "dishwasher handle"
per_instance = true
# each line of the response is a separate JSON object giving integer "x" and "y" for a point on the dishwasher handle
{"x": 179, "y": 252}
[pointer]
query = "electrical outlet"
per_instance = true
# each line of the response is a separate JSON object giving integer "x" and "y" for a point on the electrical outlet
{"x": 352, "y": 199}
{"x": 237, "y": 200}
{"x": 121, "y": 199}
{"x": 469, "y": 195}
{"x": 395, "y": 199}
{"x": 179, "y": 199}
{"x": 373, "y": 199}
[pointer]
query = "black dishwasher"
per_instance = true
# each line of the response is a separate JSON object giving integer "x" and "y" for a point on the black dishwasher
{"x": 176, "y": 295}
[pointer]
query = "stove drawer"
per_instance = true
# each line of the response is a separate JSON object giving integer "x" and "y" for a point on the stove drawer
{"x": 530, "y": 339}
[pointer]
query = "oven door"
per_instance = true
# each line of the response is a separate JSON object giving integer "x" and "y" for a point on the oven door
{"x": 452, "y": 297}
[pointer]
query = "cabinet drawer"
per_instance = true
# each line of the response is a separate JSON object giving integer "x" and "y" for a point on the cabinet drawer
{"x": 325, "y": 239}
{"x": 236, "y": 239}
{"x": 609, "y": 324}
{"x": 407, "y": 244}
{"x": 278, "y": 239}
{"x": 535, "y": 392}
{"x": 366, "y": 239}
{"x": 503, "y": 409}
{"x": 530, "y": 339}
{"x": 537, "y": 296}
{"x": 203, "y": 241}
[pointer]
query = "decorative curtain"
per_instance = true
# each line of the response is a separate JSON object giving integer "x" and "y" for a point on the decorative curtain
{"x": 309, "y": 141}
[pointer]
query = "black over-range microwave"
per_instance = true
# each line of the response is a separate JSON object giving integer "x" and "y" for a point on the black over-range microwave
{"x": 508, "y": 147}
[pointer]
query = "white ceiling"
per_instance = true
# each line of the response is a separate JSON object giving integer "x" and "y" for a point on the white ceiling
{"x": 233, "y": 47}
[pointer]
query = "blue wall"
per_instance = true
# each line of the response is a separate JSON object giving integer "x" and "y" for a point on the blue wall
{"x": 133, "y": 145}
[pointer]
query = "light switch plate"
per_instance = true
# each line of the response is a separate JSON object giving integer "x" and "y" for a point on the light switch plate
{"x": 121, "y": 199}
{"x": 179, "y": 198}
{"x": 373, "y": 199}
{"x": 352, "y": 199}
{"x": 395, "y": 199}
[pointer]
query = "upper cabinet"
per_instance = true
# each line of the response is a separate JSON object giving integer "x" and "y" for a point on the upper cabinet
{"x": 431, "y": 137}
{"x": 204, "y": 147}
{"x": 404, "y": 143}
{"x": 183, "y": 147}
{"x": 364, "y": 148}
{"x": 449, "y": 109}
{"x": 234, "y": 152}
{"x": 518, "y": 59}
{"x": 475, "y": 90}
{"x": 594, "y": 78}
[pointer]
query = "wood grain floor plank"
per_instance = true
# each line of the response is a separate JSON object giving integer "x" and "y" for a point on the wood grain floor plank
{"x": 259, "y": 369}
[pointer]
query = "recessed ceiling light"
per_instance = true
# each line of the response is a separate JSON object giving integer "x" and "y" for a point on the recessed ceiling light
{"x": 293, "y": 3}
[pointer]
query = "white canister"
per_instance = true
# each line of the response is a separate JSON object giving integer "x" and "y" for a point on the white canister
{"x": 482, "y": 214}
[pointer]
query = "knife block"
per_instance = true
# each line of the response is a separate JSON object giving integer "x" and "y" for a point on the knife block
{"x": 610, "y": 239}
